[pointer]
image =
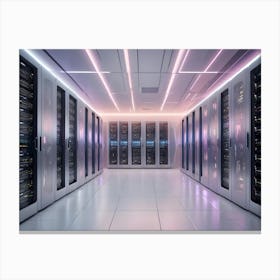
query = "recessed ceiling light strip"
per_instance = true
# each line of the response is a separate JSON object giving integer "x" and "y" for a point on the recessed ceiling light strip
{"x": 184, "y": 60}
{"x": 37, "y": 59}
{"x": 127, "y": 65}
{"x": 84, "y": 72}
{"x": 95, "y": 65}
{"x": 175, "y": 68}
{"x": 224, "y": 83}
{"x": 199, "y": 72}
{"x": 142, "y": 114}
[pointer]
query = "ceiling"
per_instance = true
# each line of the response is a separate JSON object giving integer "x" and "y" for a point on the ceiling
{"x": 147, "y": 80}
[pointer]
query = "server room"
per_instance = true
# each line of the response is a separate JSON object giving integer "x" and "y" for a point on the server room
{"x": 140, "y": 140}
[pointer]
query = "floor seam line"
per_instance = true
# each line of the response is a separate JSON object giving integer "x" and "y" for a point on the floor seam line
{"x": 114, "y": 213}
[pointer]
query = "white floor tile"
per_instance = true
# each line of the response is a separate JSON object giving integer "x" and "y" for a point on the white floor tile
{"x": 175, "y": 220}
{"x": 169, "y": 204}
{"x": 135, "y": 220}
{"x": 92, "y": 220}
{"x": 137, "y": 203}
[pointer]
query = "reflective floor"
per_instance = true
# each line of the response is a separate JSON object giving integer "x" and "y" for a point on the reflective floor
{"x": 153, "y": 200}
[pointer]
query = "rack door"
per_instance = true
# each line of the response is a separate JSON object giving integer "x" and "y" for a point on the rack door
{"x": 28, "y": 143}
{"x": 136, "y": 144}
{"x": 239, "y": 148}
{"x": 163, "y": 143}
{"x": 255, "y": 77}
{"x": 113, "y": 143}
{"x": 123, "y": 143}
{"x": 150, "y": 143}
{"x": 225, "y": 140}
{"x": 60, "y": 138}
{"x": 72, "y": 140}
{"x": 92, "y": 143}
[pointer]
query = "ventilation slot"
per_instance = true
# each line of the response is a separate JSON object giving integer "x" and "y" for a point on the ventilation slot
{"x": 149, "y": 89}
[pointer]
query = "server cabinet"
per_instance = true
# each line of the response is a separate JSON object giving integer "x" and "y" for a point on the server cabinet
{"x": 196, "y": 134}
{"x": 101, "y": 153}
{"x": 193, "y": 144}
{"x": 28, "y": 141}
{"x": 72, "y": 141}
{"x": 200, "y": 144}
{"x": 183, "y": 137}
{"x": 150, "y": 143}
{"x": 190, "y": 145}
{"x": 254, "y": 190}
{"x": 225, "y": 140}
{"x": 86, "y": 142}
{"x": 123, "y": 143}
{"x": 60, "y": 143}
{"x": 187, "y": 145}
{"x": 213, "y": 153}
{"x": 98, "y": 143}
{"x": 48, "y": 140}
{"x": 93, "y": 144}
{"x": 113, "y": 143}
{"x": 163, "y": 143}
{"x": 239, "y": 149}
{"x": 89, "y": 143}
{"x": 136, "y": 144}
{"x": 205, "y": 135}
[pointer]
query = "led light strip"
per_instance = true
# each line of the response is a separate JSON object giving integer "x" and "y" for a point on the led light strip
{"x": 91, "y": 57}
{"x": 127, "y": 65}
{"x": 175, "y": 68}
{"x": 205, "y": 70}
{"x": 183, "y": 62}
{"x": 38, "y": 60}
{"x": 224, "y": 83}
{"x": 84, "y": 72}
{"x": 142, "y": 114}
{"x": 199, "y": 72}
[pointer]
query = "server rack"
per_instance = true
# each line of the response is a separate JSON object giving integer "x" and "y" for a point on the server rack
{"x": 101, "y": 154}
{"x": 187, "y": 144}
{"x": 86, "y": 142}
{"x": 98, "y": 143}
{"x": 113, "y": 143}
{"x": 205, "y": 156}
{"x": 163, "y": 143}
{"x": 72, "y": 144}
{"x": 240, "y": 149}
{"x": 213, "y": 144}
{"x": 150, "y": 143}
{"x": 60, "y": 138}
{"x": 183, "y": 143}
{"x": 255, "y": 83}
{"x": 136, "y": 145}
{"x": 92, "y": 143}
{"x": 28, "y": 134}
{"x": 193, "y": 143}
{"x": 200, "y": 144}
{"x": 225, "y": 140}
{"x": 123, "y": 143}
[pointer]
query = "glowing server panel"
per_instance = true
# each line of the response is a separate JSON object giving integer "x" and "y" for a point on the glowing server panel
{"x": 136, "y": 143}
{"x": 28, "y": 143}
{"x": 123, "y": 143}
{"x": 150, "y": 143}
{"x": 113, "y": 143}
{"x": 163, "y": 143}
